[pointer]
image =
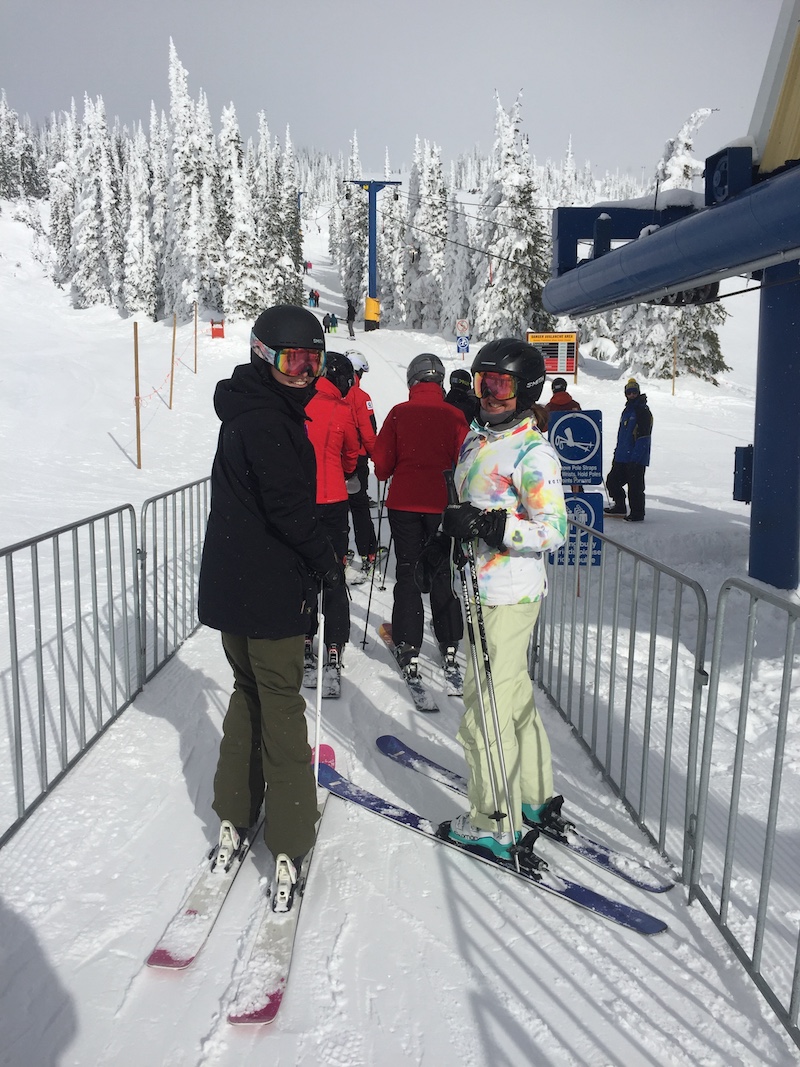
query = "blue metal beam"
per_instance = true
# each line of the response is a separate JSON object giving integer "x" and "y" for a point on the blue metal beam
{"x": 758, "y": 228}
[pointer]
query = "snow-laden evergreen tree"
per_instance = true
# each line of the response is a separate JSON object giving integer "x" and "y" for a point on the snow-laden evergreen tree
{"x": 279, "y": 265}
{"x": 22, "y": 173}
{"x": 354, "y": 235}
{"x": 429, "y": 234}
{"x": 244, "y": 285}
{"x": 63, "y": 181}
{"x": 229, "y": 146}
{"x": 10, "y": 178}
{"x": 193, "y": 160}
{"x": 292, "y": 271}
{"x": 97, "y": 240}
{"x": 513, "y": 264}
{"x": 140, "y": 285}
{"x": 213, "y": 266}
{"x": 260, "y": 173}
{"x": 111, "y": 208}
{"x": 651, "y": 336}
{"x": 568, "y": 191}
{"x": 412, "y": 249}
{"x": 390, "y": 252}
{"x": 677, "y": 167}
{"x": 457, "y": 273}
{"x": 90, "y": 274}
{"x": 159, "y": 197}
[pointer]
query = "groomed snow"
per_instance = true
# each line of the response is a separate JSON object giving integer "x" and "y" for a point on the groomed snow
{"x": 407, "y": 952}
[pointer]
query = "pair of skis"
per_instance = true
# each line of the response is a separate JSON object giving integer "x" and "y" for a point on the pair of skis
{"x": 625, "y": 867}
{"x": 263, "y": 981}
{"x": 420, "y": 694}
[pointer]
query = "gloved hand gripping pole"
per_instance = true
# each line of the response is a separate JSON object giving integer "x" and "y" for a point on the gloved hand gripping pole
{"x": 469, "y": 551}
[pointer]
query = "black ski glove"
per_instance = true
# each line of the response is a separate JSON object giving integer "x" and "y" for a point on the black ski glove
{"x": 465, "y": 522}
{"x": 333, "y": 577}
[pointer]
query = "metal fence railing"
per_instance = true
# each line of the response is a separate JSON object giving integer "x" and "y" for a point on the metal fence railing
{"x": 87, "y": 614}
{"x": 746, "y": 869}
{"x": 69, "y": 651}
{"x": 173, "y": 527}
{"x": 620, "y": 651}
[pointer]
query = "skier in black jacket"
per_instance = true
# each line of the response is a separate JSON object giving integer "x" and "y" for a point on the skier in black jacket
{"x": 461, "y": 395}
{"x": 264, "y": 556}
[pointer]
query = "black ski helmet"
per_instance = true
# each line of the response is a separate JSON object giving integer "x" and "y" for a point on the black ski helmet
{"x": 461, "y": 378}
{"x": 508, "y": 355}
{"x": 559, "y": 385}
{"x": 339, "y": 370}
{"x": 425, "y": 368}
{"x": 288, "y": 326}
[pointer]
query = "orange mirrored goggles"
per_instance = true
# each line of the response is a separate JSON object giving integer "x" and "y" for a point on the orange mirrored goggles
{"x": 292, "y": 362}
{"x": 491, "y": 383}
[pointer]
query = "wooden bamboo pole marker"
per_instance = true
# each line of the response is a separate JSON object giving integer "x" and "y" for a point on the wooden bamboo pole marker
{"x": 172, "y": 365}
{"x": 137, "y": 400}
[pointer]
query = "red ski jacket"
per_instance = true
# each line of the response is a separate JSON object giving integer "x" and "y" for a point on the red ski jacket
{"x": 419, "y": 439}
{"x": 561, "y": 403}
{"x": 364, "y": 416}
{"x": 333, "y": 434}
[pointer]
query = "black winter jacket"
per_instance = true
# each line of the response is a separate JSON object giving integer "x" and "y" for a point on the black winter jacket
{"x": 263, "y": 544}
{"x": 465, "y": 401}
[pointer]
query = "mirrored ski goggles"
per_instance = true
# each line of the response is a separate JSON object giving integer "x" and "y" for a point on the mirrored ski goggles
{"x": 293, "y": 362}
{"x": 500, "y": 386}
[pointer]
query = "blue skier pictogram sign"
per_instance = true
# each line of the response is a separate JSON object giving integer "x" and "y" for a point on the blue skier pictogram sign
{"x": 587, "y": 509}
{"x": 578, "y": 439}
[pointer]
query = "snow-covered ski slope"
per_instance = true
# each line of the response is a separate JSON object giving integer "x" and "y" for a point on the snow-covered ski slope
{"x": 406, "y": 952}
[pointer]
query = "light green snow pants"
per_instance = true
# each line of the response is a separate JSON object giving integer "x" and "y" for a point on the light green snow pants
{"x": 525, "y": 745}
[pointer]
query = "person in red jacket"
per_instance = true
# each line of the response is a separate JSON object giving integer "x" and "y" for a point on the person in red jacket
{"x": 364, "y": 415}
{"x": 561, "y": 402}
{"x": 419, "y": 439}
{"x": 333, "y": 434}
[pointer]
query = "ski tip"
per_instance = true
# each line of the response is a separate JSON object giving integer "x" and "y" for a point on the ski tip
{"x": 389, "y": 743}
{"x": 327, "y": 755}
{"x": 162, "y": 957}
{"x": 260, "y": 1016}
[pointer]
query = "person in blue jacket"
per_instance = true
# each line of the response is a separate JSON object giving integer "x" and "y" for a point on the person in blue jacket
{"x": 631, "y": 456}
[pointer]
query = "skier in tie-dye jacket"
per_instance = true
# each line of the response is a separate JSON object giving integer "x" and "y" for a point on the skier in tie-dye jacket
{"x": 508, "y": 480}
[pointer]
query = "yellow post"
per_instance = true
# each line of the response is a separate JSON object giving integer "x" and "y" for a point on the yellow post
{"x": 172, "y": 365}
{"x": 137, "y": 401}
{"x": 674, "y": 361}
{"x": 195, "y": 337}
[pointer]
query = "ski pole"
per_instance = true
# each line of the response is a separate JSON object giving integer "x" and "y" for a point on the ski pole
{"x": 497, "y": 815}
{"x": 386, "y": 563}
{"x": 375, "y": 565}
{"x": 320, "y": 654}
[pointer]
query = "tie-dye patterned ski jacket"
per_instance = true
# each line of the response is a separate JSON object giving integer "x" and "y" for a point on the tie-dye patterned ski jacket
{"x": 516, "y": 469}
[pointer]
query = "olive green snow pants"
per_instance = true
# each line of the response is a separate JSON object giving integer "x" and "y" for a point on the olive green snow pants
{"x": 525, "y": 746}
{"x": 265, "y": 746}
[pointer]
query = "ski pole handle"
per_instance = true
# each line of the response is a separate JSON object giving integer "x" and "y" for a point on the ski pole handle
{"x": 450, "y": 482}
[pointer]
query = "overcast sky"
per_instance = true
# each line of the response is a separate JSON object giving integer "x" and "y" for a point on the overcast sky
{"x": 619, "y": 76}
